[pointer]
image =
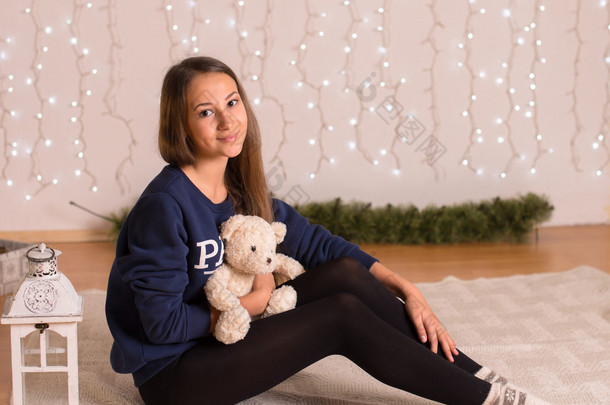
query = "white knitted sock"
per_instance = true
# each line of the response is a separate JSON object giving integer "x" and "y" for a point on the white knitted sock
{"x": 487, "y": 374}
{"x": 503, "y": 393}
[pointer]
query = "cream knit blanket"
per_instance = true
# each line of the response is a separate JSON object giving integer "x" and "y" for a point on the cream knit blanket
{"x": 547, "y": 333}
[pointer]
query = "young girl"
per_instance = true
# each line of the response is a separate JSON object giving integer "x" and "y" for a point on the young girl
{"x": 347, "y": 300}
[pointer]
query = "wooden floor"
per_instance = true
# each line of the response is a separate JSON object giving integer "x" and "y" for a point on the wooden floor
{"x": 86, "y": 264}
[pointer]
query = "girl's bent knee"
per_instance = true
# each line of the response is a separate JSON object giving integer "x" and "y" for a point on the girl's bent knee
{"x": 349, "y": 264}
{"x": 343, "y": 269}
{"x": 347, "y": 305}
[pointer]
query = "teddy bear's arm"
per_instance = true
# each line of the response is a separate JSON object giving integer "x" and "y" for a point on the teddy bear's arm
{"x": 216, "y": 290}
{"x": 288, "y": 266}
{"x": 282, "y": 299}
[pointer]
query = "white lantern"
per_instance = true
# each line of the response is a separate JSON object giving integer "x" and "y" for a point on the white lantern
{"x": 45, "y": 301}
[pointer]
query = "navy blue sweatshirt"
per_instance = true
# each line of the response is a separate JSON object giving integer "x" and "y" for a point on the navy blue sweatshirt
{"x": 167, "y": 249}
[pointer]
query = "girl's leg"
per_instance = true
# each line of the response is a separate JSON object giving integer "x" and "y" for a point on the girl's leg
{"x": 348, "y": 275}
{"x": 279, "y": 346}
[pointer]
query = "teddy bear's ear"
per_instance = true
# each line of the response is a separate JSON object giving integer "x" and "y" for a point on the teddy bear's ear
{"x": 231, "y": 225}
{"x": 280, "y": 231}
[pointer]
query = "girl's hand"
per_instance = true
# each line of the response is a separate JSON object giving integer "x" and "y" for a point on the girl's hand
{"x": 429, "y": 329}
{"x": 256, "y": 301}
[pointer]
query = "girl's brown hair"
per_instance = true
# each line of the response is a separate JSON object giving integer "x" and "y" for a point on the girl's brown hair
{"x": 245, "y": 175}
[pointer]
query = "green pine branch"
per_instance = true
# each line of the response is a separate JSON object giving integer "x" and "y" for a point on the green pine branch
{"x": 496, "y": 220}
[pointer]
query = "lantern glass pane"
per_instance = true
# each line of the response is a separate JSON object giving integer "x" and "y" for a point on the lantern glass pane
{"x": 30, "y": 350}
{"x": 56, "y": 349}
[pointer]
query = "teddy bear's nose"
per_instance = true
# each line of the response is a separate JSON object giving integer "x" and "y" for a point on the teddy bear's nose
{"x": 268, "y": 260}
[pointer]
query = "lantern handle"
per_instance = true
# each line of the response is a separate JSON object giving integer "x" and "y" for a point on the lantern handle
{"x": 37, "y": 260}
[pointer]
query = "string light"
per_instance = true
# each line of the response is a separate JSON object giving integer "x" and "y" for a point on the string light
{"x": 431, "y": 41}
{"x": 380, "y": 74}
{"x": 305, "y": 83}
{"x": 182, "y": 43}
{"x": 37, "y": 66}
{"x": 170, "y": 28}
{"x": 5, "y": 113}
{"x": 602, "y": 134}
{"x": 378, "y": 69}
{"x": 475, "y": 131}
{"x": 42, "y": 144}
{"x": 516, "y": 41}
{"x": 80, "y": 54}
{"x": 507, "y": 121}
{"x": 110, "y": 97}
{"x": 578, "y": 125}
{"x": 536, "y": 61}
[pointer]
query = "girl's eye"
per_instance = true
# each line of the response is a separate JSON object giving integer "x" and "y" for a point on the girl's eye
{"x": 232, "y": 103}
{"x": 205, "y": 113}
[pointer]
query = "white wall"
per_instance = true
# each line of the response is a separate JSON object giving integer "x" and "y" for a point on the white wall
{"x": 94, "y": 69}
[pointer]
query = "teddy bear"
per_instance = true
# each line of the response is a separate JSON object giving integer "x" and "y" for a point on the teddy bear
{"x": 249, "y": 249}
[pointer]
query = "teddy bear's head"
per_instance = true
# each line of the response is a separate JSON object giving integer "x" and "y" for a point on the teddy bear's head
{"x": 250, "y": 242}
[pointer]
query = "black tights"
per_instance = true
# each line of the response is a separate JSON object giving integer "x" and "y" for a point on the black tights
{"x": 341, "y": 309}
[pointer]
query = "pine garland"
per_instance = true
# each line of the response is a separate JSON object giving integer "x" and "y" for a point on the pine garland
{"x": 496, "y": 220}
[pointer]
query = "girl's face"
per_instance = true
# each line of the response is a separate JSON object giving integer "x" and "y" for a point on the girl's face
{"x": 216, "y": 117}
